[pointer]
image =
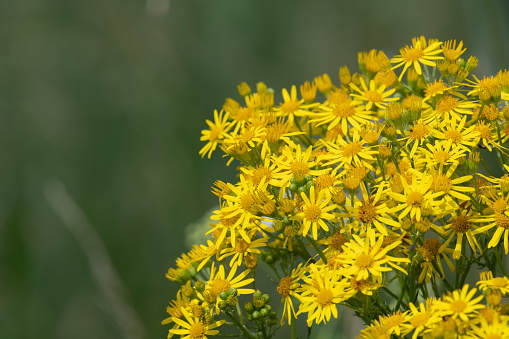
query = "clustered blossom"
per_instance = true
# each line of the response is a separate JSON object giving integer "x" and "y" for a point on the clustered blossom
{"x": 356, "y": 197}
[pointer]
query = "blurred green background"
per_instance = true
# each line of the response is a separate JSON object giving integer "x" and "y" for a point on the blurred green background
{"x": 101, "y": 108}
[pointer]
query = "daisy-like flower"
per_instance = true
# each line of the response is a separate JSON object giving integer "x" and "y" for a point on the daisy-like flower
{"x": 451, "y": 52}
{"x": 459, "y": 304}
{"x": 419, "y": 53}
{"x": 321, "y": 293}
{"x": 240, "y": 209}
{"x": 292, "y": 106}
{"x": 295, "y": 163}
{"x": 420, "y": 320}
{"x": 449, "y": 108}
{"x": 496, "y": 329}
{"x": 350, "y": 153}
{"x": 436, "y": 89}
{"x": 219, "y": 282}
{"x": 286, "y": 289}
{"x": 455, "y": 133}
{"x": 175, "y": 311}
{"x": 265, "y": 171}
{"x": 215, "y": 134}
{"x": 441, "y": 154}
{"x": 488, "y": 282}
{"x": 366, "y": 257}
{"x": 416, "y": 195}
{"x": 278, "y": 133}
{"x": 371, "y": 211}
{"x": 461, "y": 225}
{"x": 341, "y": 114}
{"x": 418, "y": 133}
{"x": 243, "y": 248}
{"x": 314, "y": 211}
{"x": 195, "y": 328}
{"x": 430, "y": 252}
{"x": 202, "y": 254}
{"x": 499, "y": 218}
{"x": 373, "y": 96}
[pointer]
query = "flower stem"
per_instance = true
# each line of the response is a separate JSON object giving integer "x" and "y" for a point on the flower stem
{"x": 242, "y": 328}
{"x": 317, "y": 248}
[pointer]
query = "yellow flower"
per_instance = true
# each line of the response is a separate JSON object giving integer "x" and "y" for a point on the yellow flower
{"x": 371, "y": 211}
{"x": 366, "y": 257}
{"x": 419, "y": 53}
{"x": 195, "y": 328}
{"x": 286, "y": 289}
{"x": 374, "y": 96}
{"x": 350, "y": 153}
{"x": 451, "y": 52}
{"x": 293, "y": 106}
{"x": 456, "y": 134}
{"x": 321, "y": 293}
{"x": 242, "y": 248}
{"x": 488, "y": 282}
{"x": 499, "y": 217}
{"x": 431, "y": 251}
{"x": 416, "y": 196}
{"x": 459, "y": 225}
{"x": 496, "y": 329}
{"x": 214, "y": 135}
{"x": 295, "y": 163}
{"x": 314, "y": 212}
{"x": 341, "y": 114}
{"x": 449, "y": 108}
{"x": 420, "y": 320}
{"x": 459, "y": 304}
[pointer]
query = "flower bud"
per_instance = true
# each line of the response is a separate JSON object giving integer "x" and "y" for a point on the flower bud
{"x": 471, "y": 64}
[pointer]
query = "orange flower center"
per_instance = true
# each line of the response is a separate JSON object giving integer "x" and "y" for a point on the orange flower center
{"x": 419, "y": 320}
{"x": 453, "y": 135}
{"x": 446, "y": 104}
{"x": 197, "y": 330}
{"x": 299, "y": 170}
{"x": 411, "y": 54}
{"x": 324, "y": 297}
{"x": 373, "y": 96}
{"x": 343, "y": 110}
{"x": 351, "y": 149}
{"x": 367, "y": 212}
{"x": 461, "y": 224}
{"x": 458, "y": 306}
{"x": 284, "y": 286}
{"x": 414, "y": 199}
{"x": 290, "y": 106}
{"x": 312, "y": 213}
{"x": 419, "y": 131}
{"x": 364, "y": 261}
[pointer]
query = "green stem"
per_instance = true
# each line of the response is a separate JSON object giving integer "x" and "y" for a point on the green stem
{"x": 499, "y": 260}
{"x": 293, "y": 327}
{"x": 317, "y": 248}
{"x": 241, "y": 327}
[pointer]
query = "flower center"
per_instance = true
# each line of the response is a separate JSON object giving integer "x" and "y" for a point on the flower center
{"x": 324, "y": 181}
{"x": 373, "y": 96}
{"x": 461, "y": 224}
{"x": 299, "y": 170}
{"x": 499, "y": 205}
{"x": 259, "y": 173}
{"x": 290, "y": 106}
{"x": 364, "y": 261}
{"x": 441, "y": 156}
{"x": 499, "y": 282}
{"x": 324, "y": 297}
{"x": 337, "y": 242}
{"x": 432, "y": 245}
{"x": 442, "y": 183}
{"x": 343, "y": 110}
{"x": 419, "y": 320}
{"x": 214, "y": 133}
{"x": 453, "y": 135}
{"x": 351, "y": 149}
{"x": 411, "y": 54}
{"x": 501, "y": 220}
{"x": 414, "y": 199}
{"x": 197, "y": 330}
{"x": 419, "y": 131}
{"x": 435, "y": 88}
{"x": 446, "y": 104}
{"x": 284, "y": 286}
{"x": 458, "y": 306}
{"x": 247, "y": 136}
{"x": 247, "y": 201}
{"x": 367, "y": 212}
{"x": 241, "y": 246}
{"x": 312, "y": 213}
{"x": 220, "y": 285}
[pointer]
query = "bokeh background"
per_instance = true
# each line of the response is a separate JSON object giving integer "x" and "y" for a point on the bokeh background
{"x": 101, "y": 108}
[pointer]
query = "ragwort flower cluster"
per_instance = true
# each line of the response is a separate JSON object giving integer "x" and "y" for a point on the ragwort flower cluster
{"x": 371, "y": 192}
